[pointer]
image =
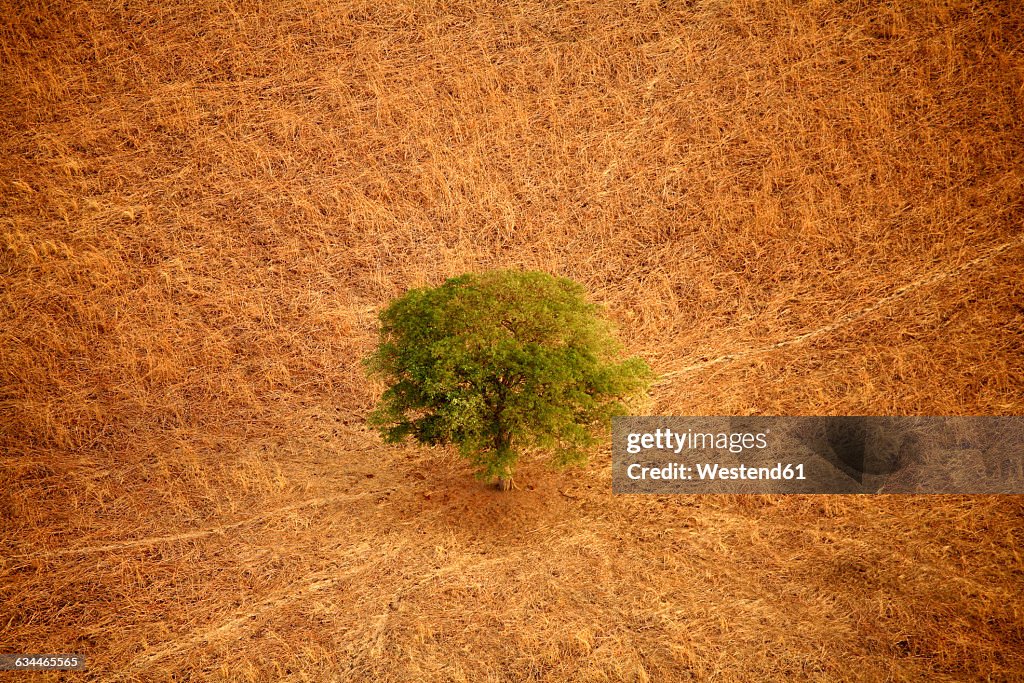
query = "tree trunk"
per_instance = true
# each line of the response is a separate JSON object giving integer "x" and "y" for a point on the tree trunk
{"x": 502, "y": 446}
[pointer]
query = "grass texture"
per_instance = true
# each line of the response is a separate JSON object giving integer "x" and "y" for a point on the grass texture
{"x": 786, "y": 207}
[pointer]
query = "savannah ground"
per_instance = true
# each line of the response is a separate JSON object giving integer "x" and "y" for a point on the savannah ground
{"x": 787, "y": 208}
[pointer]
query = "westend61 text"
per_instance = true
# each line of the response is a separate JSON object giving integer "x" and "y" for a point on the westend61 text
{"x": 704, "y": 471}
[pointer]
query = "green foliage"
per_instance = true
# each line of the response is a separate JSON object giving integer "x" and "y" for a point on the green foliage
{"x": 498, "y": 362}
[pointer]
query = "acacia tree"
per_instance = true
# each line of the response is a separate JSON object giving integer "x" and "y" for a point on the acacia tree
{"x": 498, "y": 362}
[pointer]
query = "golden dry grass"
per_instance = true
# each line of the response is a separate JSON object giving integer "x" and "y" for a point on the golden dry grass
{"x": 788, "y": 208}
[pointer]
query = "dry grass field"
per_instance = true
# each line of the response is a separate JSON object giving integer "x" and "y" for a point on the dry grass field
{"x": 786, "y": 207}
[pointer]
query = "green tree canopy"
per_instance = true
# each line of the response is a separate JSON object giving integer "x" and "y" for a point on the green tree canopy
{"x": 497, "y": 362}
